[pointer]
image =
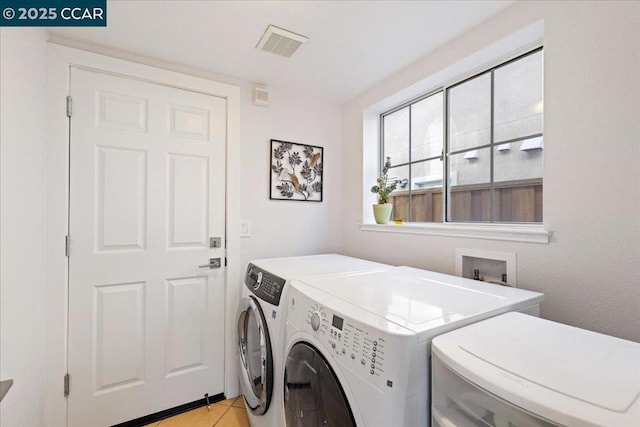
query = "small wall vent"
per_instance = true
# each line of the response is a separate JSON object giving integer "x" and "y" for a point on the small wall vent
{"x": 281, "y": 42}
{"x": 260, "y": 96}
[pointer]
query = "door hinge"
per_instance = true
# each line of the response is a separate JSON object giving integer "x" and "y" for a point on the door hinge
{"x": 67, "y": 245}
{"x": 69, "y": 106}
{"x": 225, "y": 261}
{"x": 66, "y": 385}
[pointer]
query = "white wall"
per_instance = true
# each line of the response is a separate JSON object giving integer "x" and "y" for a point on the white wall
{"x": 286, "y": 228}
{"x": 590, "y": 271}
{"x": 23, "y": 218}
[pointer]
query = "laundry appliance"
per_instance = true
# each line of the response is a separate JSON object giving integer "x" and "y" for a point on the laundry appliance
{"x": 261, "y": 324}
{"x": 358, "y": 345}
{"x": 519, "y": 370}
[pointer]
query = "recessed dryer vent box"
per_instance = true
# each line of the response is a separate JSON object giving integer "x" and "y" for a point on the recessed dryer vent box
{"x": 491, "y": 265}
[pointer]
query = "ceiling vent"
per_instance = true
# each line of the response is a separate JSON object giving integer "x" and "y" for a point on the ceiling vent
{"x": 281, "y": 42}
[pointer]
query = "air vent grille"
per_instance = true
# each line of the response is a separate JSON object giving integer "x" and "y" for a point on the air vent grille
{"x": 261, "y": 96}
{"x": 281, "y": 42}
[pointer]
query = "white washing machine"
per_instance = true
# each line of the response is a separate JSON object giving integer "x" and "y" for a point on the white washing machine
{"x": 518, "y": 370}
{"x": 358, "y": 345}
{"x": 261, "y": 324}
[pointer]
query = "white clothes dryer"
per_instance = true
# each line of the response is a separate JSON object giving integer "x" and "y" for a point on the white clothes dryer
{"x": 521, "y": 370}
{"x": 261, "y": 326}
{"x": 358, "y": 345}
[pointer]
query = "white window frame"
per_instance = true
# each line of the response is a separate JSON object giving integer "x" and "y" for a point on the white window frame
{"x": 510, "y": 47}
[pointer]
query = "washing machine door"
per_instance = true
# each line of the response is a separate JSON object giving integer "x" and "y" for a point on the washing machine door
{"x": 313, "y": 395}
{"x": 256, "y": 360}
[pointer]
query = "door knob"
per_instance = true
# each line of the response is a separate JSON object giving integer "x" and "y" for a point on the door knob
{"x": 213, "y": 263}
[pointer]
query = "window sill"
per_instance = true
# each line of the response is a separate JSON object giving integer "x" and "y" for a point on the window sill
{"x": 514, "y": 233}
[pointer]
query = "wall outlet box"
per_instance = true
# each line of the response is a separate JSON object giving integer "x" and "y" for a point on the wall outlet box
{"x": 491, "y": 265}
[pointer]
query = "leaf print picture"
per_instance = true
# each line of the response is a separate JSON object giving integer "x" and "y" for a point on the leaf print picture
{"x": 296, "y": 171}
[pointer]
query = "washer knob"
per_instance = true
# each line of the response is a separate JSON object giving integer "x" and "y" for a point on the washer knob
{"x": 315, "y": 321}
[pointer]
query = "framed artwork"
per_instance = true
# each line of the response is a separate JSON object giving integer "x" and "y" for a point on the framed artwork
{"x": 296, "y": 172}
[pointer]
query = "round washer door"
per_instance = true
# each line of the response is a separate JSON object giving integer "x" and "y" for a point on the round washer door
{"x": 313, "y": 395}
{"x": 256, "y": 360}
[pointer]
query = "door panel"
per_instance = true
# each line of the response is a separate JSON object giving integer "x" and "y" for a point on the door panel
{"x": 121, "y": 198}
{"x": 188, "y": 201}
{"x": 146, "y": 193}
{"x": 186, "y": 332}
{"x": 119, "y": 335}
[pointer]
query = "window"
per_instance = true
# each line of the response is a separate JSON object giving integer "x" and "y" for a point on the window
{"x": 484, "y": 134}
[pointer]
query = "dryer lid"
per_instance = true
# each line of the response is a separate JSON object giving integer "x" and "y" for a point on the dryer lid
{"x": 316, "y": 265}
{"x": 554, "y": 363}
{"x": 422, "y": 304}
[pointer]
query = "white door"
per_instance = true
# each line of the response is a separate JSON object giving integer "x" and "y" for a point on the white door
{"x": 146, "y": 324}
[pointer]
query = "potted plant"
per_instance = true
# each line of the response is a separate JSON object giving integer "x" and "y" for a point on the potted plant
{"x": 383, "y": 188}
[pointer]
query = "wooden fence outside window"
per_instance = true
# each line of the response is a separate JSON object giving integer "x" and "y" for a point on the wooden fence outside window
{"x": 514, "y": 201}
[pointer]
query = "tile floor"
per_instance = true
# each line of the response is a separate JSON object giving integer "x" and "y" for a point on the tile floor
{"x": 226, "y": 413}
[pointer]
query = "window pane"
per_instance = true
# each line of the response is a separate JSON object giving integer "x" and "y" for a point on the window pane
{"x": 426, "y": 128}
{"x": 518, "y": 183}
{"x": 396, "y": 136}
{"x": 426, "y": 191}
{"x": 470, "y": 113}
{"x": 400, "y": 197}
{"x": 470, "y": 188}
{"x": 518, "y": 98}
{"x": 402, "y": 174}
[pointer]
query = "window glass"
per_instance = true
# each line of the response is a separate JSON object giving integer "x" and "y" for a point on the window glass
{"x": 469, "y": 198}
{"x": 426, "y": 128}
{"x": 517, "y": 189}
{"x": 396, "y": 136}
{"x": 400, "y": 197}
{"x": 426, "y": 191}
{"x": 470, "y": 113}
{"x": 492, "y": 148}
{"x": 518, "y": 98}
{"x": 427, "y": 174}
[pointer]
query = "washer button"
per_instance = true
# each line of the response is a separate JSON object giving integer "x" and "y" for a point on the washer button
{"x": 363, "y": 361}
{"x": 372, "y": 371}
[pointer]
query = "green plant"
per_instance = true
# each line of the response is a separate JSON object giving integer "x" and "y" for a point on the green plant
{"x": 384, "y": 188}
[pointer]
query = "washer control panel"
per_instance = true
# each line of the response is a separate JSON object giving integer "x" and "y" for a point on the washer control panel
{"x": 360, "y": 347}
{"x": 264, "y": 285}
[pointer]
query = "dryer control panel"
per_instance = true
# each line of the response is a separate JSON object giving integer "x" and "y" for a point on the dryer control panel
{"x": 363, "y": 346}
{"x": 382, "y": 358}
{"x": 264, "y": 285}
{"x": 364, "y": 349}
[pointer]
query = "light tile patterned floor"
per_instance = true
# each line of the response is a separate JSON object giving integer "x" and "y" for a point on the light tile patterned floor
{"x": 227, "y": 413}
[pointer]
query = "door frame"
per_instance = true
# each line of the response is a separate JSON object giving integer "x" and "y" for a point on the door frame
{"x": 60, "y": 59}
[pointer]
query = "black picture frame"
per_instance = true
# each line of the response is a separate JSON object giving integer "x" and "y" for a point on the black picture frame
{"x": 295, "y": 172}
